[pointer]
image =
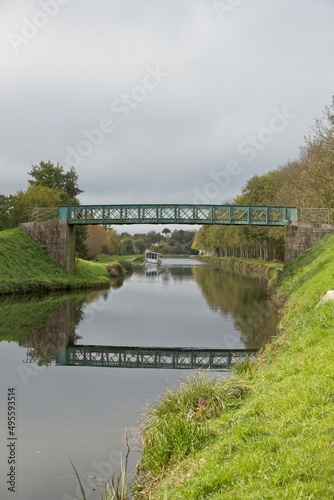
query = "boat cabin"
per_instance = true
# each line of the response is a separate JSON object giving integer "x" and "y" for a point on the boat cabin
{"x": 152, "y": 257}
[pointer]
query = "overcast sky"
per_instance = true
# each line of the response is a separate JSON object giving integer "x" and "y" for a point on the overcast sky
{"x": 162, "y": 101}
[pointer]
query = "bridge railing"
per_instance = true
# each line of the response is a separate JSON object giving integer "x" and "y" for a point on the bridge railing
{"x": 316, "y": 215}
{"x": 187, "y": 214}
{"x": 178, "y": 214}
{"x": 42, "y": 213}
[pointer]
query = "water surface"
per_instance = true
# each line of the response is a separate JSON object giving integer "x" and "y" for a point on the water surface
{"x": 81, "y": 413}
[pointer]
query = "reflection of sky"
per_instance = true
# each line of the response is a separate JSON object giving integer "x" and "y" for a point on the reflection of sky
{"x": 155, "y": 311}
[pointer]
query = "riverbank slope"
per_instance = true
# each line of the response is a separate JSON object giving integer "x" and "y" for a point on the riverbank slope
{"x": 26, "y": 267}
{"x": 271, "y": 435}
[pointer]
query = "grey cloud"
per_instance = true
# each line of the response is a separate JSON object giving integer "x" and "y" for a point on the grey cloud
{"x": 225, "y": 78}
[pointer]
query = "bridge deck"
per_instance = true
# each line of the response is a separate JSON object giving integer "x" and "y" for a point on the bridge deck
{"x": 152, "y": 357}
{"x": 178, "y": 214}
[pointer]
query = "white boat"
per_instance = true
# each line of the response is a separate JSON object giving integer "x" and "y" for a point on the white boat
{"x": 152, "y": 258}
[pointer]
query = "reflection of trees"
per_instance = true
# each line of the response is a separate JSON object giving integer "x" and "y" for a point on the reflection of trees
{"x": 177, "y": 273}
{"x": 46, "y": 340}
{"x": 58, "y": 330}
{"x": 93, "y": 296}
{"x": 45, "y": 324}
{"x": 20, "y": 315}
{"x": 243, "y": 297}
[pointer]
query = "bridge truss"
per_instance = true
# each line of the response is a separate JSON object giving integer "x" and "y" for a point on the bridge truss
{"x": 178, "y": 214}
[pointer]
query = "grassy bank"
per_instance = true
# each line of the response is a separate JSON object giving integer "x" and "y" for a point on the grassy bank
{"x": 107, "y": 259}
{"x": 267, "y": 432}
{"x": 26, "y": 267}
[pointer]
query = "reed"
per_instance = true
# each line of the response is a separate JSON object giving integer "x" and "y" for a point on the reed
{"x": 114, "y": 489}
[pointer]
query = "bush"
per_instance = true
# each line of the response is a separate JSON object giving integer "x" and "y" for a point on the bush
{"x": 127, "y": 266}
{"x": 116, "y": 270}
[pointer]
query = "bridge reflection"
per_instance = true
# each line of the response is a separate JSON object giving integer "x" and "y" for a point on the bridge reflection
{"x": 152, "y": 357}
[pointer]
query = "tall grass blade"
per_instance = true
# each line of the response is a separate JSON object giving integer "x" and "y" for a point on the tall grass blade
{"x": 79, "y": 481}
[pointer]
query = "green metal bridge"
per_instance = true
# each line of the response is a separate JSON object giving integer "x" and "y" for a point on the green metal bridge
{"x": 178, "y": 214}
{"x": 152, "y": 357}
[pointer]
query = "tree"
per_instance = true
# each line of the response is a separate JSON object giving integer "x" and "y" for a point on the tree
{"x": 166, "y": 232}
{"x": 140, "y": 243}
{"x": 16, "y": 209}
{"x": 113, "y": 242}
{"x": 126, "y": 246}
{"x": 153, "y": 237}
{"x": 5, "y": 206}
{"x": 66, "y": 183}
{"x": 54, "y": 177}
{"x": 38, "y": 195}
{"x": 96, "y": 238}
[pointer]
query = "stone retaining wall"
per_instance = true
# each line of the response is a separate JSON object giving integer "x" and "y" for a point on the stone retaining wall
{"x": 302, "y": 235}
{"x": 57, "y": 237}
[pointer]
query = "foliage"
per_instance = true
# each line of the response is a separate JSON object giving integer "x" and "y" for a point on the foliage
{"x": 127, "y": 266}
{"x": 95, "y": 240}
{"x": 107, "y": 241}
{"x": 126, "y": 246}
{"x": 15, "y": 209}
{"x": 116, "y": 270}
{"x": 55, "y": 178}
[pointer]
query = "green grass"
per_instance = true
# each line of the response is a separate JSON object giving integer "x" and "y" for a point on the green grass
{"x": 178, "y": 424}
{"x": 26, "y": 267}
{"x": 106, "y": 259}
{"x": 277, "y": 442}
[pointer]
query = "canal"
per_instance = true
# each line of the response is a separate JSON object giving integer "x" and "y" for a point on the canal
{"x": 91, "y": 415}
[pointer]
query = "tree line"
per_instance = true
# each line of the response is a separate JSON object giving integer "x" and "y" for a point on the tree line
{"x": 101, "y": 239}
{"x": 307, "y": 182}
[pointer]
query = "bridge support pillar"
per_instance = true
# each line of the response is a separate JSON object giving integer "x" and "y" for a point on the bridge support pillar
{"x": 300, "y": 236}
{"x": 57, "y": 237}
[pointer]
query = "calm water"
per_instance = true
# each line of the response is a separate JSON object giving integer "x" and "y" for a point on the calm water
{"x": 81, "y": 414}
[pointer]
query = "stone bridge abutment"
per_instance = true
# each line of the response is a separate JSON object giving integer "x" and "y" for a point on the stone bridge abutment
{"x": 300, "y": 236}
{"x": 57, "y": 236}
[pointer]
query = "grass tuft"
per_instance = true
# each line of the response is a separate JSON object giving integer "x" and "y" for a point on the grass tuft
{"x": 178, "y": 424}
